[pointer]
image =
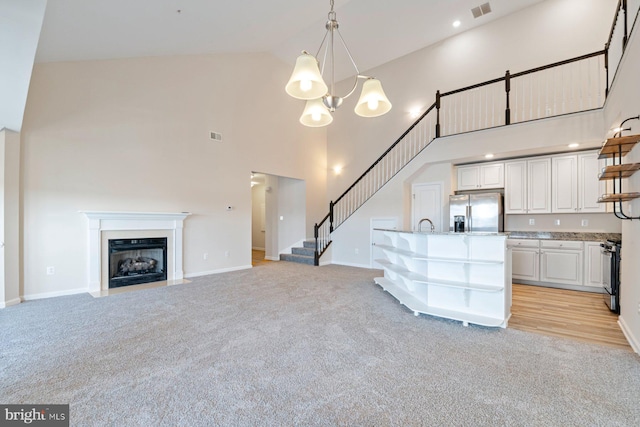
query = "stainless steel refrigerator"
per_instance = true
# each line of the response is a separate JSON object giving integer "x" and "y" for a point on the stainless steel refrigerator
{"x": 479, "y": 212}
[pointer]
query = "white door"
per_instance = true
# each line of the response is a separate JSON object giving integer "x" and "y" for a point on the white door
{"x": 377, "y": 237}
{"x": 427, "y": 203}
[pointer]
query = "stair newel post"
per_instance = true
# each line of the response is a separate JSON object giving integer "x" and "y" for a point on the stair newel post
{"x": 331, "y": 216}
{"x": 316, "y": 256}
{"x": 438, "y": 114}
{"x": 507, "y": 87}
{"x": 606, "y": 69}
{"x": 625, "y": 36}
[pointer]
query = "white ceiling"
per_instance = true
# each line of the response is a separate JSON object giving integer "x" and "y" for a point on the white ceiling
{"x": 376, "y": 31}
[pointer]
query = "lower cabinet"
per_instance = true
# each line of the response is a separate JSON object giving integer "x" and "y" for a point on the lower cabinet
{"x": 561, "y": 262}
{"x": 458, "y": 276}
{"x": 566, "y": 263}
{"x": 593, "y": 265}
{"x": 525, "y": 259}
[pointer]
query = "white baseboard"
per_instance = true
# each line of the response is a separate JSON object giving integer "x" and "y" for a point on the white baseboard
{"x": 323, "y": 263}
{"x": 9, "y": 303}
{"x": 221, "y": 270}
{"x": 635, "y": 344}
{"x": 272, "y": 258}
{"x": 29, "y": 297}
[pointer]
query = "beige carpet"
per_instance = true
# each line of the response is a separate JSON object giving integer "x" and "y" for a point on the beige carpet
{"x": 288, "y": 344}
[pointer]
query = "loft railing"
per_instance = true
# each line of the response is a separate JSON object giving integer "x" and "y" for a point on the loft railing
{"x": 565, "y": 87}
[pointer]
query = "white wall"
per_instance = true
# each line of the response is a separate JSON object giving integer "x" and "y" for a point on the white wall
{"x": 544, "y": 33}
{"x": 20, "y": 25}
{"x": 133, "y": 135}
{"x": 623, "y": 103}
{"x": 9, "y": 218}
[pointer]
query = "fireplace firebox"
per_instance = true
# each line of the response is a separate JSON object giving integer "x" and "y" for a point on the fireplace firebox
{"x": 136, "y": 261}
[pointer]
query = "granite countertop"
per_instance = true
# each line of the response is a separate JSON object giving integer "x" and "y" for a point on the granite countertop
{"x": 541, "y": 235}
{"x": 564, "y": 235}
{"x": 444, "y": 233}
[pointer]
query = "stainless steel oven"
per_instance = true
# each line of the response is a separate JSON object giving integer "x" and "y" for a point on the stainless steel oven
{"x": 611, "y": 274}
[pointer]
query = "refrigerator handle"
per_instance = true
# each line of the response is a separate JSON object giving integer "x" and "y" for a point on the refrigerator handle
{"x": 467, "y": 223}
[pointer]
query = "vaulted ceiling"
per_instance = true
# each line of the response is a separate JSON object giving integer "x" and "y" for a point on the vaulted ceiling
{"x": 376, "y": 31}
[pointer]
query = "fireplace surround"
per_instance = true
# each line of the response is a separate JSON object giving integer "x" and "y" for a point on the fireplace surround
{"x": 106, "y": 225}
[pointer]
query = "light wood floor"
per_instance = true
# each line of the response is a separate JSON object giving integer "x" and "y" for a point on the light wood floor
{"x": 581, "y": 316}
{"x": 257, "y": 258}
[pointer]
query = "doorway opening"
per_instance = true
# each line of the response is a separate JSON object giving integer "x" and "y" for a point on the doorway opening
{"x": 278, "y": 216}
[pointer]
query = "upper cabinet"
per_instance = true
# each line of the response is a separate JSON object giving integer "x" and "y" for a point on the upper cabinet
{"x": 575, "y": 184}
{"x": 481, "y": 177}
{"x": 527, "y": 186}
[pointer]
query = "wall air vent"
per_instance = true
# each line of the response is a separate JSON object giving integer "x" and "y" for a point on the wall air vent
{"x": 483, "y": 9}
{"x": 215, "y": 136}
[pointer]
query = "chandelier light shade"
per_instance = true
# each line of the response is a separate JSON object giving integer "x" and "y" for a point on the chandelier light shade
{"x": 307, "y": 83}
{"x": 373, "y": 102}
{"x": 315, "y": 114}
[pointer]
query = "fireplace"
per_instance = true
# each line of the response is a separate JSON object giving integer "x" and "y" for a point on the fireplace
{"x": 136, "y": 261}
{"x": 107, "y": 225}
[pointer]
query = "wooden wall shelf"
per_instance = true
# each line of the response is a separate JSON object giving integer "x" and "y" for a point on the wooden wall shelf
{"x": 613, "y": 147}
{"x": 618, "y": 171}
{"x": 619, "y": 197}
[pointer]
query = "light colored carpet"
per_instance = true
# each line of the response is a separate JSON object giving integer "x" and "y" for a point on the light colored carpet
{"x": 288, "y": 344}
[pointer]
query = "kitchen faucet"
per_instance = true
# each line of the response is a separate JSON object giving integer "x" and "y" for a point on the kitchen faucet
{"x": 423, "y": 220}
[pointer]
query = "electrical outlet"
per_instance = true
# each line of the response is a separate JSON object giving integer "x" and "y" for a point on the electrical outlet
{"x": 532, "y": 221}
{"x": 357, "y": 251}
{"x": 227, "y": 254}
{"x": 205, "y": 255}
{"x": 557, "y": 222}
{"x": 639, "y": 308}
{"x": 51, "y": 271}
{"x": 585, "y": 223}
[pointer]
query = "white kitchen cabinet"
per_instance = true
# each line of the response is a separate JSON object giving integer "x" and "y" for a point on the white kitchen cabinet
{"x": 590, "y": 188}
{"x": 459, "y": 276}
{"x": 564, "y": 184}
{"x": 481, "y": 177}
{"x": 527, "y": 186}
{"x": 561, "y": 262}
{"x": 593, "y": 264}
{"x": 525, "y": 259}
{"x": 575, "y": 184}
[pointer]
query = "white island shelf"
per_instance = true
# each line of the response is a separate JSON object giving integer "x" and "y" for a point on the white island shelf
{"x": 459, "y": 276}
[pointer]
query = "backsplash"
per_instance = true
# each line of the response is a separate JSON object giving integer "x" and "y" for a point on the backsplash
{"x": 594, "y": 223}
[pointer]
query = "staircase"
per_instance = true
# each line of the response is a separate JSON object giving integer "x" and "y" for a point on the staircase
{"x": 303, "y": 255}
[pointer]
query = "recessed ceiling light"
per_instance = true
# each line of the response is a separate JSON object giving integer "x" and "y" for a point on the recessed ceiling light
{"x": 456, "y": 24}
{"x": 414, "y": 113}
{"x": 337, "y": 170}
{"x": 574, "y": 145}
{"x": 488, "y": 156}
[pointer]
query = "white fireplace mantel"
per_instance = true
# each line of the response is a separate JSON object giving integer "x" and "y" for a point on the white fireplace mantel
{"x": 100, "y": 221}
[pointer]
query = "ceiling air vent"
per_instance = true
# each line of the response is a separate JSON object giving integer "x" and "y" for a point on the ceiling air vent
{"x": 483, "y": 9}
{"x": 215, "y": 136}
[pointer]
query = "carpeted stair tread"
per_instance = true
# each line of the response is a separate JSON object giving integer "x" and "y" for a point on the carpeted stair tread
{"x": 303, "y": 251}
{"x": 309, "y": 244}
{"x": 301, "y": 259}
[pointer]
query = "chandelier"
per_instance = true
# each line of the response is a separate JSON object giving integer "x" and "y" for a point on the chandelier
{"x": 306, "y": 83}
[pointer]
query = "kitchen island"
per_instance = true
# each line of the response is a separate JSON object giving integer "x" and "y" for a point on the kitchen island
{"x": 459, "y": 276}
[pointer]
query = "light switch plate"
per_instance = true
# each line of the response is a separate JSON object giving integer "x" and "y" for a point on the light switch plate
{"x": 532, "y": 221}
